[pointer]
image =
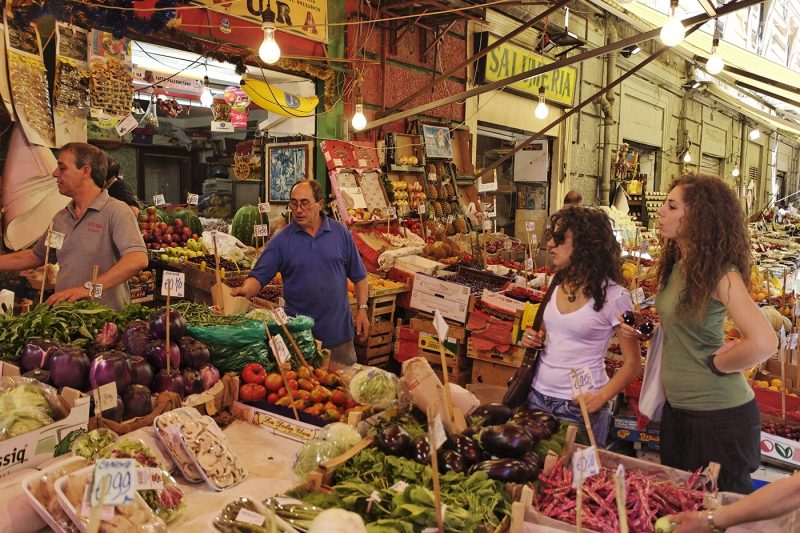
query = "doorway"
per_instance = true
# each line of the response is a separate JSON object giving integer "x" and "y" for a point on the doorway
{"x": 164, "y": 171}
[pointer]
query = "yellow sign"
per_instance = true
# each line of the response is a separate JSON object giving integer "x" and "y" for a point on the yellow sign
{"x": 507, "y": 60}
{"x": 306, "y": 17}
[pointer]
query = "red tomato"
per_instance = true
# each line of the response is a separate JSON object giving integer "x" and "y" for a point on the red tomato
{"x": 254, "y": 373}
{"x": 252, "y": 392}
{"x": 274, "y": 382}
{"x": 273, "y": 397}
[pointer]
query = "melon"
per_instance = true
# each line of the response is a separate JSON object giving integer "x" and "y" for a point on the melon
{"x": 243, "y": 221}
{"x": 162, "y": 216}
{"x": 190, "y": 220}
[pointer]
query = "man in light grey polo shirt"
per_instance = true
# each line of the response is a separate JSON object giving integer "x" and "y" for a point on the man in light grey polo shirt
{"x": 98, "y": 230}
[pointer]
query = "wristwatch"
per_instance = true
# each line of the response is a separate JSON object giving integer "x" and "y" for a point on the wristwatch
{"x": 363, "y": 306}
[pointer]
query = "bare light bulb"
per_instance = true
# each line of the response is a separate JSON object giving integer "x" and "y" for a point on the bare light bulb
{"x": 754, "y": 134}
{"x": 715, "y": 64}
{"x": 269, "y": 51}
{"x": 541, "y": 110}
{"x": 206, "y": 98}
{"x": 687, "y": 157}
{"x": 359, "y": 121}
{"x": 735, "y": 172}
{"x": 673, "y": 32}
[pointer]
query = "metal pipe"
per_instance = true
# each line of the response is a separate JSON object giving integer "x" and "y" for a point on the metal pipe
{"x": 607, "y": 107}
{"x": 743, "y": 172}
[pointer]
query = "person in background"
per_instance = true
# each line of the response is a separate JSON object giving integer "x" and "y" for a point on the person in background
{"x": 316, "y": 256}
{"x": 582, "y": 315}
{"x": 573, "y": 199}
{"x": 98, "y": 230}
{"x": 710, "y": 413}
{"x": 119, "y": 189}
{"x": 772, "y": 501}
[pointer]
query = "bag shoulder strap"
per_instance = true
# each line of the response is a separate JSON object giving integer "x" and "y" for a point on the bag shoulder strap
{"x": 537, "y": 320}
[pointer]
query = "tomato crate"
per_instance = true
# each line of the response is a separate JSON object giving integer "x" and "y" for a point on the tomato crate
{"x": 487, "y": 373}
{"x": 512, "y": 357}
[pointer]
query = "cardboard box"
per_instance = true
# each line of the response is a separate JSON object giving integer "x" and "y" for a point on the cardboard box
{"x": 451, "y": 299}
{"x": 35, "y": 447}
{"x": 486, "y": 373}
{"x": 625, "y": 429}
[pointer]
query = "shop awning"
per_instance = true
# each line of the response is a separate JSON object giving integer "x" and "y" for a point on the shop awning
{"x": 776, "y": 84}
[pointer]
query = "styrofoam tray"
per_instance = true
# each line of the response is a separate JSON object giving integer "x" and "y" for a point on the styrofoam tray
{"x": 172, "y": 442}
{"x": 28, "y": 482}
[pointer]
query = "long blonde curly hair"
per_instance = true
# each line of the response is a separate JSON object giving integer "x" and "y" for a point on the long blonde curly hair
{"x": 715, "y": 234}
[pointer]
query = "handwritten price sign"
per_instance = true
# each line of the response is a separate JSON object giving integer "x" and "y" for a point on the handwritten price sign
{"x": 584, "y": 465}
{"x": 95, "y": 289}
{"x": 422, "y": 209}
{"x": 261, "y": 230}
{"x": 173, "y": 284}
{"x": 119, "y": 485}
{"x": 263, "y": 207}
{"x": 581, "y": 381}
{"x": 279, "y": 348}
{"x": 192, "y": 199}
{"x": 55, "y": 240}
{"x": 158, "y": 200}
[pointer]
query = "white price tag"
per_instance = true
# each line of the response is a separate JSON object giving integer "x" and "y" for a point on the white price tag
{"x": 439, "y": 435}
{"x": 530, "y": 226}
{"x": 278, "y": 346}
{"x": 487, "y": 225}
{"x": 534, "y": 240}
{"x": 95, "y": 290}
{"x": 645, "y": 246}
{"x": 528, "y": 263}
{"x": 119, "y": 486}
{"x": 782, "y": 336}
{"x": 432, "y": 176}
{"x": 638, "y": 296}
{"x": 400, "y": 486}
{"x": 507, "y": 245}
{"x": 55, "y": 240}
{"x": 261, "y": 230}
{"x": 149, "y": 479}
{"x": 584, "y": 465}
{"x": 106, "y": 514}
{"x": 173, "y": 283}
{"x": 393, "y": 211}
{"x": 246, "y": 516}
{"x": 263, "y": 207}
{"x": 421, "y": 209}
{"x": 441, "y": 325}
{"x": 620, "y": 473}
{"x": 450, "y": 219}
{"x": 374, "y": 497}
{"x": 581, "y": 381}
{"x": 280, "y": 316}
{"x": 192, "y": 198}
{"x": 793, "y": 341}
{"x": 105, "y": 397}
{"x": 158, "y": 200}
{"x": 126, "y": 125}
{"x": 221, "y": 125}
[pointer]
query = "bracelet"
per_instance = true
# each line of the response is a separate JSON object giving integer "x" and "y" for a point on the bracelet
{"x": 714, "y": 368}
{"x": 363, "y": 306}
{"x": 710, "y": 520}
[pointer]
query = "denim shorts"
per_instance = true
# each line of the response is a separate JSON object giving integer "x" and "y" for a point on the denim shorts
{"x": 571, "y": 413}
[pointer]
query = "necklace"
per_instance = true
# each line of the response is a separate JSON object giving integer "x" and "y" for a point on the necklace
{"x": 570, "y": 294}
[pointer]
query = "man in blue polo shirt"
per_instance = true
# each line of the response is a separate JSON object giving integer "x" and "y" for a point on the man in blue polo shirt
{"x": 315, "y": 256}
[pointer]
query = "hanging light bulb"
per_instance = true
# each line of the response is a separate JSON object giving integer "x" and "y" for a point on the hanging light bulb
{"x": 359, "y": 121}
{"x": 206, "y": 98}
{"x": 687, "y": 157}
{"x": 735, "y": 172}
{"x": 541, "y": 110}
{"x": 715, "y": 64}
{"x": 754, "y": 134}
{"x": 673, "y": 32}
{"x": 269, "y": 51}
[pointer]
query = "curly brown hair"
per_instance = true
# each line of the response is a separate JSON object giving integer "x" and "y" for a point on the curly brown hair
{"x": 596, "y": 256}
{"x": 714, "y": 237}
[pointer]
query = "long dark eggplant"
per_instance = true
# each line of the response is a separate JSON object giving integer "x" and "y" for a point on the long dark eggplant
{"x": 508, "y": 470}
{"x": 420, "y": 450}
{"x": 507, "y": 440}
{"x": 468, "y": 448}
{"x": 393, "y": 440}
{"x": 451, "y": 461}
{"x": 492, "y": 414}
{"x": 533, "y": 461}
{"x": 541, "y": 415}
{"x": 537, "y": 428}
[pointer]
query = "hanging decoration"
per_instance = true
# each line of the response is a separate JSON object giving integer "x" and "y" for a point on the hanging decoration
{"x": 111, "y": 81}
{"x": 71, "y": 86}
{"x": 150, "y": 118}
{"x": 238, "y": 100}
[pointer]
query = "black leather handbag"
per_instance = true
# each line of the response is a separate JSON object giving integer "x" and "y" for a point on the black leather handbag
{"x": 519, "y": 386}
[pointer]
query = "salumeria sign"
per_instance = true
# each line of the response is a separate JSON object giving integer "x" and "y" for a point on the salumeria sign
{"x": 508, "y": 59}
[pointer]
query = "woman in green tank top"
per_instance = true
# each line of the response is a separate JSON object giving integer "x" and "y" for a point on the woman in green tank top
{"x": 704, "y": 273}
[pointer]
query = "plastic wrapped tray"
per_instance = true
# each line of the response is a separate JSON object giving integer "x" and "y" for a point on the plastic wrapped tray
{"x": 172, "y": 440}
{"x": 205, "y": 443}
{"x": 29, "y": 487}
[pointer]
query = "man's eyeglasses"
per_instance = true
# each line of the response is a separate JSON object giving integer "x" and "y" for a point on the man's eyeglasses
{"x": 302, "y": 204}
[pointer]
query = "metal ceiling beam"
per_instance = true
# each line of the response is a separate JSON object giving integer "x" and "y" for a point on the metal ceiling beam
{"x": 708, "y": 7}
{"x": 612, "y": 47}
{"x": 478, "y": 55}
{"x": 730, "y": 69}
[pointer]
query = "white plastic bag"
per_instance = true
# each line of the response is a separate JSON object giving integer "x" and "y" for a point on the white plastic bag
{"x": 652, "y": 398}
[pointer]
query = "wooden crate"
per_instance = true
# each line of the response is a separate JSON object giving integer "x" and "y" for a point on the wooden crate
{"x": 512, "y": 358}
{"x": 376, "y": 355}
{"x": 486, "y": 373}
{"x": 428, "y": 347}
{"x": 460, "y": 377}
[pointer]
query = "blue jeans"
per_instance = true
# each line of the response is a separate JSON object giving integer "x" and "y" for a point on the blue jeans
{"x": 571, "y": 413}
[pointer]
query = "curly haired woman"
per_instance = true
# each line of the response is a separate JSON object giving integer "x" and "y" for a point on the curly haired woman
{"x": 582, "y": 315}
{"x": 704, "y": 273}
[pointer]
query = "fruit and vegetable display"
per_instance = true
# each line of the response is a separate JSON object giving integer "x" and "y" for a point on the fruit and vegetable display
{"x": 786, "y": 430}
{"x": 160, "y": 232}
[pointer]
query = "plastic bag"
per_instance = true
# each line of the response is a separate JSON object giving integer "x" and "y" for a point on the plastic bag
{"x": 314, "y": 453}
{"x": 371, "y": 386}
{"x": 166, "y": 503}
{"x": 652, "y": 397}
{"x": 25, "y": 405}
{"x": 90, "y": 444}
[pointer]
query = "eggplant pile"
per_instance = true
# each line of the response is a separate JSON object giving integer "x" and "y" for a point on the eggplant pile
{"x": 135, "y": 360}
{"x": 500, "y": 442}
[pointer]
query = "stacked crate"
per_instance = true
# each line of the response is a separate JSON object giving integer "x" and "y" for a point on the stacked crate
{"x": 377, "y": 348}
{"x": 459, "y": 366}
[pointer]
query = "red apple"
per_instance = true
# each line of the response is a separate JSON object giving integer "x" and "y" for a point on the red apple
{"x": 187, "y": 232}
{"x": 170, "y": 230}
{"x": 177, "y": 223}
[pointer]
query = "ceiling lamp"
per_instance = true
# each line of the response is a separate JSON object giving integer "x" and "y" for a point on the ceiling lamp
{"x": 541, "y": 110}
{"x": 754, "y": 134}
{"x": 359, "y": 121}
{"x": 735, "y": 172}
{"x": 715, "y": 64}
{"x": 630, "y": 50}
{"x": 269, "y": 51}
{"x": 206, "y": 98}
{"x": 673, "y": 32}
{"x": 687, "y": 157}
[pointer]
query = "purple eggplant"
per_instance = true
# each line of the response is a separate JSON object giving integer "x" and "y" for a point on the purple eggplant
{"x": 537, "y": 428}
{"x": 141, "y": 371}
{"x": 492, "y": 414}
{"x": 541, "y": 415}
{"x": 137, "y": 401}
{"x": 451, "y": 461}
{"x": 172, "y": 381}
{"x": 191, "y": 377}
{"x": 158, "y": 325}
{"x": 393, "y": 440}
{"x": 507, "y": 440}
{"x": 469, "y": 450}
{"x": 37, "y": 354}
{"x": 194, "y": 354}
{"x": 420, "y": 450}
{"x": 506, "y": 470}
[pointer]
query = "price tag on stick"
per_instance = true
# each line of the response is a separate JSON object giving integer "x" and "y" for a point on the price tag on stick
{"x": 173, "y": 284}
{"x": 120, "y": 488}
{"x": 439, "y": 435}
{"x": 280, "y": 316}
{"x": 441, "y": 326}
{"x": 261, "y": 230}
{"x": 55, "y": 240}
{"x": 278, "y": 347}
{"x": 192, "y": 199}
{"x": 95, "y": 289}
{"x": 581, "y": 381}
{"x": 584, "y": 465}
{"x": 530, "y": 226}
{"x": 105, "y": 397}
{"x": 158, "y": 200}
{"x": 263, "y": 207}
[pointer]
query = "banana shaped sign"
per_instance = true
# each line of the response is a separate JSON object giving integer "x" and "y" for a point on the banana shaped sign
{"x": 277, "y": 101}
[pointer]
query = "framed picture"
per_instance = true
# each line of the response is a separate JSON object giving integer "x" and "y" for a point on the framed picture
{"x": 286, "y": 164}
{"x": 437, "y": 141}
